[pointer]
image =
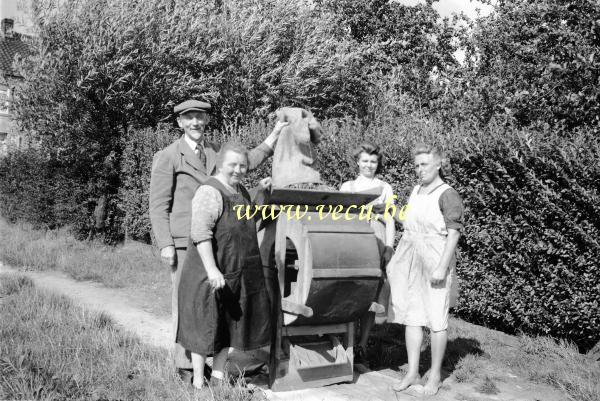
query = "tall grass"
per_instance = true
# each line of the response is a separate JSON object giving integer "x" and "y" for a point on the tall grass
{"x": 126, "y": 265}
{"x": 560, "y": 364}
{"x": 133, "y": 265}
{"x": 540, "y": 359}
{"x": 53, "y": 350}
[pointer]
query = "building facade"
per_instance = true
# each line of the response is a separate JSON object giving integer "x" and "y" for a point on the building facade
{"x": 11, "y": 44}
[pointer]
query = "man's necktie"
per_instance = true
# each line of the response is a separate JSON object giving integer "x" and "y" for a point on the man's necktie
{"x": 199, "y": 151}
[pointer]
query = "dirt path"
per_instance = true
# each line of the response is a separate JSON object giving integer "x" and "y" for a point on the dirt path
{"x": 126, "y": 311}
{"x": 152, "y": 329}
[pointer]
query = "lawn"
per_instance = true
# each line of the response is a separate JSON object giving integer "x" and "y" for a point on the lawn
{"x": 133, "y": 265}
{"x": 51, "y": 349}
{"x": 477, "y": 355}
{"x": 474, "y": 353}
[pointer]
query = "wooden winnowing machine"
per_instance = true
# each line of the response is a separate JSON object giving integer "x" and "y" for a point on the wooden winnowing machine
{"x": 329, "y": 272}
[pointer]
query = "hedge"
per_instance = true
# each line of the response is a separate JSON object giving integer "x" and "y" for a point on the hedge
{"x": 34, "y": 188}
{"x": 529, "y": 257}
{"x": 139, "y": 147}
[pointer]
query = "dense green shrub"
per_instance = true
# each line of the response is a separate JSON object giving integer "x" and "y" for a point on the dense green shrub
{"x": 529, "y": 256}
{"x": 140, "y": 146}
{"x": 528, "y": 259}
{"x": 34, "y": 188}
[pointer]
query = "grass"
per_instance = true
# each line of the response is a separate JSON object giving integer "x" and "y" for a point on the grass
{"x": 487, "y": 386}
{"x": 133, "y": 265}
{"x": 467, "y": 368}
{"x": 559, "y": 364}
{"x": 474, "y": 354}
{"x": 53, "y": 350}
{"x": 482, "y": 356}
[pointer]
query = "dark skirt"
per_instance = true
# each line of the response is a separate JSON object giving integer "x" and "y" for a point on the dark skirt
{"x": 237, "y": 315}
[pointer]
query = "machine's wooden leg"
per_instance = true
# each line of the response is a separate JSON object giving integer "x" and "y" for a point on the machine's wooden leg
{"x": 275, "y": 352}
{"x": 349, "y": 335}
{"x": 349, "y": 344}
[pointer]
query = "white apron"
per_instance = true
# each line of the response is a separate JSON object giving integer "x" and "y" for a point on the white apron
{"x": 414, "y": 301}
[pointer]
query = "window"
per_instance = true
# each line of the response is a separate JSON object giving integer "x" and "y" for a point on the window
{"x": 5, "y": 97}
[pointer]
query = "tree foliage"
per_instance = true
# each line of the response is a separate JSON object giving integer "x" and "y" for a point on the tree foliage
{"x": 533, "y": 62}
{"x": 102, "y": 66}
{"x": 409, "y": 44}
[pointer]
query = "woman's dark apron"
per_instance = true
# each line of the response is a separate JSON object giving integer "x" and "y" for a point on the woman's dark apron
{"x": 237, "y": 315}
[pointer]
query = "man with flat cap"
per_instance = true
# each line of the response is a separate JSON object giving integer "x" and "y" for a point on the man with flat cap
{"x": 177, "y": 171}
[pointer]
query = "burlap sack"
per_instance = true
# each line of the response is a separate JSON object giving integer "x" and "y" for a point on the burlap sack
{"x": 294, "y": 158}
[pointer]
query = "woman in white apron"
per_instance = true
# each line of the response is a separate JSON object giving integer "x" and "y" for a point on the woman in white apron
{"x": 369, "y": 160}
{"x": 422, "y": 273}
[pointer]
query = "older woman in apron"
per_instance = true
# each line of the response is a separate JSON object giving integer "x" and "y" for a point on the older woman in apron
{"x": 223, "y": 300}
{"x": 369, "y": 161}
{"x": 422, "y": 272}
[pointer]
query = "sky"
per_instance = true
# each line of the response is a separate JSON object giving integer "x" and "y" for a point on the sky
{"x": 18, "y": 11}
{"x": 447, "y": 7}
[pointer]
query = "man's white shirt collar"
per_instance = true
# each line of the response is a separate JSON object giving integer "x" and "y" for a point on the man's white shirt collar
{"x": 192, "y": 144}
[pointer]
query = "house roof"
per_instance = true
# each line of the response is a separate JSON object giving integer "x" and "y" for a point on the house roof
{"x": 8, "y": 49}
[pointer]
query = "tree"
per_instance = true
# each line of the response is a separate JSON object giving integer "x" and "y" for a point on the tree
{"x": 102, "y": 66}
{"x": 405, "y": 44}
{"x": 534, "y": 62}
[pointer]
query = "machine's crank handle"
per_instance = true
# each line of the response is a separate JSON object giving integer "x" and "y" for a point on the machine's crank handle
{"x": 296, "y": 309}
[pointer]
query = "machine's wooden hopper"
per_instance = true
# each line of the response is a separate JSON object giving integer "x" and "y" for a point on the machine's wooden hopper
{"x": 329, "y": 272}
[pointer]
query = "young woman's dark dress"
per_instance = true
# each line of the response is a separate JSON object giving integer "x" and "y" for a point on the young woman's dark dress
{"x": 236, "y": 315}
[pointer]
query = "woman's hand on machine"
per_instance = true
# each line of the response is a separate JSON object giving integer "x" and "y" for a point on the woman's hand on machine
{"x": 265, "y": 183}
{"x": 388, "y": 252}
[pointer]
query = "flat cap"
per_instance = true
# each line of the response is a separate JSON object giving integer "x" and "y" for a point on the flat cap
{"x": 190, "y": 105}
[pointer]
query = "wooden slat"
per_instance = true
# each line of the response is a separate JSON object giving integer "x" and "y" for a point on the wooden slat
{"x": 317, "y": 329}
{"x": 347, "y": 273}
{"x": 339, "y": 371}
{"x": 296, "y": 309}
{"x": 292, "y": 382}
{"x": 288, "y": 196}
{"x": 332, "y": 227}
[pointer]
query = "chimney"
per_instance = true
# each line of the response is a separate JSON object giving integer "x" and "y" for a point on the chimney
{"x": 7, "y": 28}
